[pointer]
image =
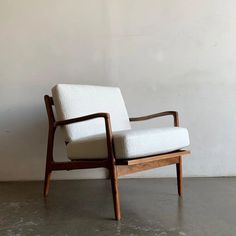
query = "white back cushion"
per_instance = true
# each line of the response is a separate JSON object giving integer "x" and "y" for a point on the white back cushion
{"x": 72, "y": 100}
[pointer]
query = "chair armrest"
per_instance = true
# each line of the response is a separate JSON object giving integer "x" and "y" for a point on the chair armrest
{"x": 165, "y": 113}
{"x": 106, "y": 117}
{"x": 83, "y": 118}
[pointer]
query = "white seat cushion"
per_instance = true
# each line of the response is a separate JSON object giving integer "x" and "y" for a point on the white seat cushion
{"x": 131, "y": 143}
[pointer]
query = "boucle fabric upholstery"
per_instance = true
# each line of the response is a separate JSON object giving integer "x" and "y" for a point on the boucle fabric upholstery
{"x": 87, "y": 140}
{"x": 72, "y": 100}
{"x": 131, "y": 143}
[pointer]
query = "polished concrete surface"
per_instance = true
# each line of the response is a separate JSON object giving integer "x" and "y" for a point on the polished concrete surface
{"x": 149, "y": 207}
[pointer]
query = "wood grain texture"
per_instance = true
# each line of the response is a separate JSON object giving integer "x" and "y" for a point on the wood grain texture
{"x": 115, "y": 192}
{"x": 130, "y": 169}
{"x": 83, "y": 118}
{"x": 152, "y": 158}
{"x": 156, "y": 115}
{"x": 73, "y": 165}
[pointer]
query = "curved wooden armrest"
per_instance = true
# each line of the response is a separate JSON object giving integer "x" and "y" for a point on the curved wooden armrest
{"x": 104, "y": 115}
{"x": 165, "y": 113}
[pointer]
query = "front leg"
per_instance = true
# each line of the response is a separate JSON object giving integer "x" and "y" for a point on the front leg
{"x": 115, "y": 191}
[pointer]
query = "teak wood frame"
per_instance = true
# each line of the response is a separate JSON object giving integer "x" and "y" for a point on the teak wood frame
{"x": 116, "y": 167}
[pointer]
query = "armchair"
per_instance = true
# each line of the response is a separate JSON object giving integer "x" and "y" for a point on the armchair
{"x": 98, "y": 134}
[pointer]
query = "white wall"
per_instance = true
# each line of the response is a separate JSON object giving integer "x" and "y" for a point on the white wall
{"x": 163, "y": 54}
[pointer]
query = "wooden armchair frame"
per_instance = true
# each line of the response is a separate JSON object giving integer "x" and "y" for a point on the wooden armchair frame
{"x": 116, "y": 167}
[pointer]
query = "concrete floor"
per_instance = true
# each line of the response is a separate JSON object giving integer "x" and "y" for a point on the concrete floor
{"x": 149, "y": 207}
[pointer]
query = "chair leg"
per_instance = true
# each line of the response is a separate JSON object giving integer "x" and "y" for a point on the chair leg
{"x": 115, "y": 192}
{"x": 179, "y": 176}
{"x": 47, "y": 181}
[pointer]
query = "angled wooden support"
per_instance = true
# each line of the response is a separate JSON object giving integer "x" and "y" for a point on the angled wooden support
{"x": 51, "y": 134}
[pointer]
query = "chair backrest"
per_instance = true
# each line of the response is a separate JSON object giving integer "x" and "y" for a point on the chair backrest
{"x": 72, "y": 100}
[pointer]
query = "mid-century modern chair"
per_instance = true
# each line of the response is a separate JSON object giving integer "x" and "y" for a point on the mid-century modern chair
{"x": 98, "y": 134}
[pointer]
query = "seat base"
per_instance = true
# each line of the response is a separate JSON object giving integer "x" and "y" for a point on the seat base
{"x": 147, "y": 159}
{"x": 125, "y": 167}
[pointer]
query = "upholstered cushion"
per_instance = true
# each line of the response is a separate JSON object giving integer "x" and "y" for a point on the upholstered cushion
{"x": 72, "y": 100}
{"x": 131, "y": 143}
